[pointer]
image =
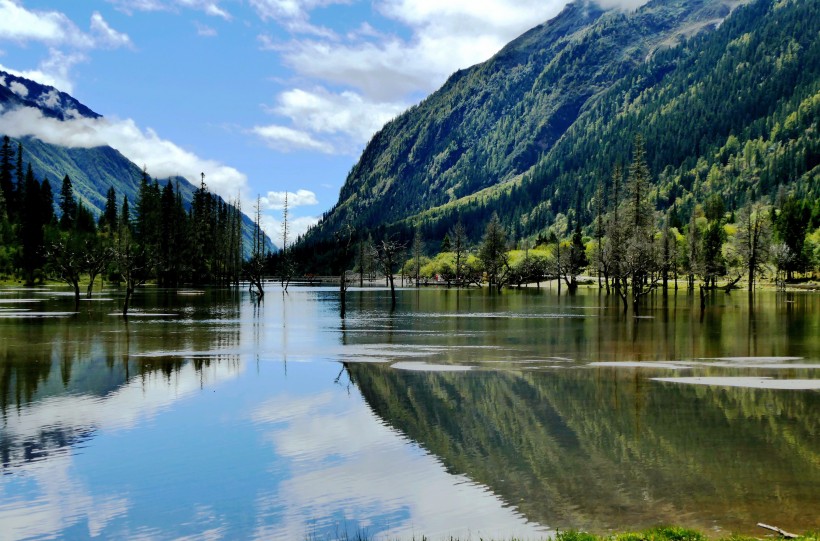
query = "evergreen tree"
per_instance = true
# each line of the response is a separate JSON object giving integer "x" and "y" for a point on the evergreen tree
{"x": 459, "y": 246}
{"x": 31, "y": 228}
{"x": 493, "y": 253}
{"x": 7, "y": 172}
{"x": 791, "y": 225}
{"x": 47, "y": 203}
{"x": 109, "y": 216}
{"x": 68, "y": 205}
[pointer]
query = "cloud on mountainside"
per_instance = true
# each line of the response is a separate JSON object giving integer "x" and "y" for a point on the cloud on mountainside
{"x": 161, "y": 157}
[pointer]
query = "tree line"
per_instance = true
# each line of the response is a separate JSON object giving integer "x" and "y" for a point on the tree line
{"x": 153, "y": 238}
{"x": 617, "y": 238}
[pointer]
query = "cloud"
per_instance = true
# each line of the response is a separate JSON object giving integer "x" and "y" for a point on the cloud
{"x": 55, "y": 28}
{"x": 162, "y": 157}
{"x": 445, "y": 36}
{"x": 346, "y": 118}
{"x": 287, "y": 139}
{"x": 209, "y": 7}
{"x": 204, "y": 30}
{"x": 19, "y": 89}
{"x": 53, "y": 71}
{"x": 374, "y": 76}
{"x": 106, "y": 35}
{"x": 58, "y": 32}
{"x": 21, "y": 25}
{"x": 276, "y": 200}
{"x": 294, "y": 14}
{"x": 296, "y": 227}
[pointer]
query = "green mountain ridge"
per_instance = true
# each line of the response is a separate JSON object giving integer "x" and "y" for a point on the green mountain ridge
{"x": 92, "y": 170}
{"x": 725, "y": 93}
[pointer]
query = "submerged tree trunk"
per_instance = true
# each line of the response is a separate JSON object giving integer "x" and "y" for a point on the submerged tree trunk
{"x": 76, "y": 285}
{"x": 392, "y": 292}
{"x": 342, "y": 294}
{"x": 129, "y": 290}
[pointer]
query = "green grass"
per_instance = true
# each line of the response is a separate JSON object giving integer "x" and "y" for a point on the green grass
{"x": 663, "y": 533}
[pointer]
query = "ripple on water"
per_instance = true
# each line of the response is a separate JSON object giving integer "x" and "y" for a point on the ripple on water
{"x": 425, "y": 367}
{"x": 640, "y": 364}
{"x": 749, "y": 382}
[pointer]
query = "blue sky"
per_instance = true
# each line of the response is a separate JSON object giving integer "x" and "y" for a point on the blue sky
{"x": 264, "y": 96}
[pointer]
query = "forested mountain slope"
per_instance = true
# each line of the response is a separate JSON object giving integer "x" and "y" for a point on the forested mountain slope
{"x": 725, "y": 95}
{"x": 92, "y": 170}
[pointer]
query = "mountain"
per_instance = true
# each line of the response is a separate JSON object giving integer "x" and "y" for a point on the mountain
{"x": 725, "y": 93}
{"x": 92, "y": 170}
{"x": 20, "y": 92}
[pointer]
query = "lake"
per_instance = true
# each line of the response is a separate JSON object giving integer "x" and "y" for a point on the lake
{"x": 466, "y": 413}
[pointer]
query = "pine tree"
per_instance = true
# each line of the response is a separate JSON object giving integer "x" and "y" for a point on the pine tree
{"x": 68, "y": 205}
{"x": 109, "y": 217}
{"x": 6, "y": 173}
{"x": 493, "y": 252}
{"x": 31, "y": 227}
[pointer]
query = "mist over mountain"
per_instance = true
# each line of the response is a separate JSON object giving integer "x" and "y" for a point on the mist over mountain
{"x": 709, "y": 84}
{"x": 93, "y": 167}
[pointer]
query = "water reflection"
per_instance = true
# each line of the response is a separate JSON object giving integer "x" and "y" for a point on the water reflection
{"x": 461, "y": 412}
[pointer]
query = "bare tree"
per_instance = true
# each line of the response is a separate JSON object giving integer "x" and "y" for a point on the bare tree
{"x": 388, "y": 254}
{"x": 344, "y": 238}
{"x": 97, "y": 255}
{"x": 286, "y": 267}
{"x": 255, "y": 267}
{"x": 66, "y": 260}
{"x": 134, "y": 265}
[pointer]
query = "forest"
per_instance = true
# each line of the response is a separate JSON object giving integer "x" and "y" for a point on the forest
{"x": 730, "y": 113}
{"x": 625, "y": 246}
{"x": 154, "y": 238}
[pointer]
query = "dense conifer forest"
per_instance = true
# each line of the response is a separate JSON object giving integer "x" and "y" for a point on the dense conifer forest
{"x": 152, "y": 238}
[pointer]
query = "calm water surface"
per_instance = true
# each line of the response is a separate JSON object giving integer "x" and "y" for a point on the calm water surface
{"x": 206, "y": 416}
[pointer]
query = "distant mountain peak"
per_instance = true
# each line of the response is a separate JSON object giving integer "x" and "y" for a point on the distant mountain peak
{"x": 16, "y": 91}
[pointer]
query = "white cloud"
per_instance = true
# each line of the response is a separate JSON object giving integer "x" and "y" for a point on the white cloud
{"x": 294, "y": 14}
{"x": 296, "y": 227}
{"x": 204, "y": 30}
{"x": 162, "y": 157}
{"x": 378, "y": 75}
{"x": 300, "y": 198}
{"x": 107, "y": 36}
{"x": 446, "y": 36}
{"x": 55, "y": 28}
{"x": 19, "y": 24}
{"x": 53, "y": 71}
{"x": 209, "y": 7}
{"x": 346, "y": 117}
{"x": 287, "y": 139}
{"x": 19, "y": 88}
{"x": 50, "y": 99}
